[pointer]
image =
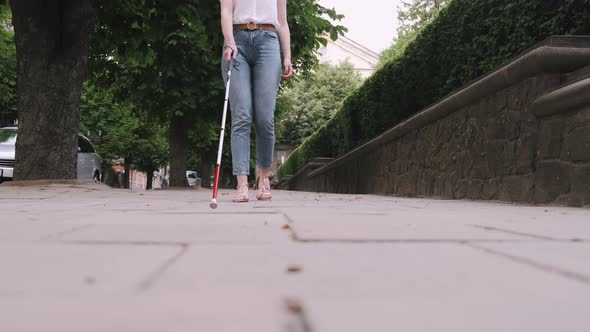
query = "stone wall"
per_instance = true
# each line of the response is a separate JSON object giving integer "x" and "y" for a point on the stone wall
{"x": 499, "y": 146}
{"x": 562, "y": 160}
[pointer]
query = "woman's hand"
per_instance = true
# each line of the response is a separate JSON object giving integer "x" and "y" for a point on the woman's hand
{"x": 230, "y": 52}
{"x": 288, "y": 72}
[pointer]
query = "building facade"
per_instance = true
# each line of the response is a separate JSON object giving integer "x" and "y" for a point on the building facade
{"x": 343, "y": 49}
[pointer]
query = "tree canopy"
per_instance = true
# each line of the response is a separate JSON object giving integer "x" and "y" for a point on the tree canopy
{"x": 413, "y": 16}
{"x": 164, "y": 59}
{"x": 313, "y": 100}
{"x": 148, "y": 59}
{"x": 7, "y": 69}
{"x": 118, "y": 133}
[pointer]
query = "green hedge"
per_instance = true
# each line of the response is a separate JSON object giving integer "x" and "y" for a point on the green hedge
{"x": 467, "y": 39}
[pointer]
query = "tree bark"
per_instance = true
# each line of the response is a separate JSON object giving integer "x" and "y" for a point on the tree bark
{"x": 205, "y": 173}
{"x": 127, "y": 173}
{"x": 150, "y": 179}
{"x": 208, "y": 161}
{"x": 52, "y": 44}
{"x": 179, "y": 127}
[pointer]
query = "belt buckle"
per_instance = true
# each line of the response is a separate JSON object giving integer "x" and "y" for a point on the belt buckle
{"x": 251, "y": 28}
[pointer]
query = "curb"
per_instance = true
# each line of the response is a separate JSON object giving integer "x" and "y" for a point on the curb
{"x": 37, "y": 183}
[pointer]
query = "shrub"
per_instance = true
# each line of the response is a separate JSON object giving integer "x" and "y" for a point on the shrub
{"x": 466, "y": 40}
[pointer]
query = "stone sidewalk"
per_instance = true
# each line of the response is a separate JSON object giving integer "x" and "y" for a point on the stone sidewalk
{"x": 88, "y": 258}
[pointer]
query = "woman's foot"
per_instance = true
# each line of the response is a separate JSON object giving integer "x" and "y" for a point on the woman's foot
{"x": 242, "y": 195}
{"x": 264, "y": 189}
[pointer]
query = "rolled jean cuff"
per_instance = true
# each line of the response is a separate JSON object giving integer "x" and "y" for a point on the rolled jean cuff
{"x": 264, "y": 167}
{"x": 241, "y": 171}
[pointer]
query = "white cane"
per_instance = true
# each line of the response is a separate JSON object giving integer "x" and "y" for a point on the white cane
{"x": 213, "y": 203}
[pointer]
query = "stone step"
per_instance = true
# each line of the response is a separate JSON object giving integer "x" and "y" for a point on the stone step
{"x": 566, "y": 97}
{"x": 575, "y": 76}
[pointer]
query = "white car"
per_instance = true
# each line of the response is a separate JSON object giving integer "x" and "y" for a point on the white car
{"x": 193, "y": 179}
{"x": 88, "y": 160}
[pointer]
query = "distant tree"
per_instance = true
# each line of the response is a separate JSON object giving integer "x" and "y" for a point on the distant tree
{"x": 413, "y": 16}
{"x": 416, "y": 14}
{"x": 150, "y": 149}
{"x": 159, "y": 56}
{"x": 7, "y": 69}
{"x": 120, "y": 133}
{"x": 108, "y": 124}
{"x": 311, "y": 101}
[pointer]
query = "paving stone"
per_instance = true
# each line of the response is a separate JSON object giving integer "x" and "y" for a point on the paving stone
{"x": 433, "y": 287}
{"x": 88, "y": 259}
{"x": 33, "y": 271}
{"x": 569, "y": 258}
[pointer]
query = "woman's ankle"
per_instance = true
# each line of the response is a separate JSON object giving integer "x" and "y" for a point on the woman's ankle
{"x": 264, "y": 173}
{"x": 242, "y": 180}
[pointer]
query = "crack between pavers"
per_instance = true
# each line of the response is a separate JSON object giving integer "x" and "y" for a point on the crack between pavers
{"x": 584, "y": 279}
{"x": 295, "y": 237}
{"x": 218, "y": 213}
{"x": 25, "y": 198}
{"x": 157, "y": 274}
{"x": 125, "y": 243}
{"x": 508, "y": 231}
{"x": 65, "y": 232}
{"x": 296, "y": 310}
{"x": 402, "y": 241}
{"x": 290, "y": 222}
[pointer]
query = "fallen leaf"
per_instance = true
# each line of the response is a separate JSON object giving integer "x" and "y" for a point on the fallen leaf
{"x": 286, "y": 226}
{"x": 293, "y": 306}
{"x": 293, "y": 268}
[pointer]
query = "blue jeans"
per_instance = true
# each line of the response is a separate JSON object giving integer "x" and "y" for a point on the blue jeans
{"x": 256, "y": 75}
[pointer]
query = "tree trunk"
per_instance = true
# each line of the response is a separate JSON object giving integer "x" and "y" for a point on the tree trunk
{"x": 179, "y": 127}
{"x": 126, "y": 175}
{"x": 150, "y": 179}
{"x": 205, "y": 173}
{"x": 52, "y": 44}
{"x": 208, "y": 161}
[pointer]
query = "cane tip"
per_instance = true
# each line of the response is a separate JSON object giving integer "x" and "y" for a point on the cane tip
{"x": 213, "y": 204}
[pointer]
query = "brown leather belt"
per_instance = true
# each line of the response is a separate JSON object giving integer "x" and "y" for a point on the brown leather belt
{"x": 253, "y": 26}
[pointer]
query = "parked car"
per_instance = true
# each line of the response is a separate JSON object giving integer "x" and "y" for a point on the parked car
{"x": 88, "y": 160}
{"x": 193, "y": 179}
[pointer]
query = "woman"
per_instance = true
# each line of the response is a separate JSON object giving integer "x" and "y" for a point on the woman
{"x": 255, "y": 32}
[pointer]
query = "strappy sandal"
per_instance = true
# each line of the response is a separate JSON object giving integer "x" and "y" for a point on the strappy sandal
{"x": 264, "y": 189}
{"x": 242, "y": 195}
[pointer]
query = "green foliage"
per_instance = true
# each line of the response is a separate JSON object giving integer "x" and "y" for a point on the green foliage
{"x": 150, "y": 148}
{"x": 311, "y": 101}
{"x": 413, "y": 17}
{"x": 159, "y": 54}
{"x": 417, "y": 14}
{"x": 119, "y": 133}
{"x": 466, "y": 40}
{"x": 7, "y": 68}
{"x": 163, "y": 57}
{"x": 309, "y": 22}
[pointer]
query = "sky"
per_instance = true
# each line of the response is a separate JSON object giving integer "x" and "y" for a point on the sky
{"x": 371, "y": 23}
